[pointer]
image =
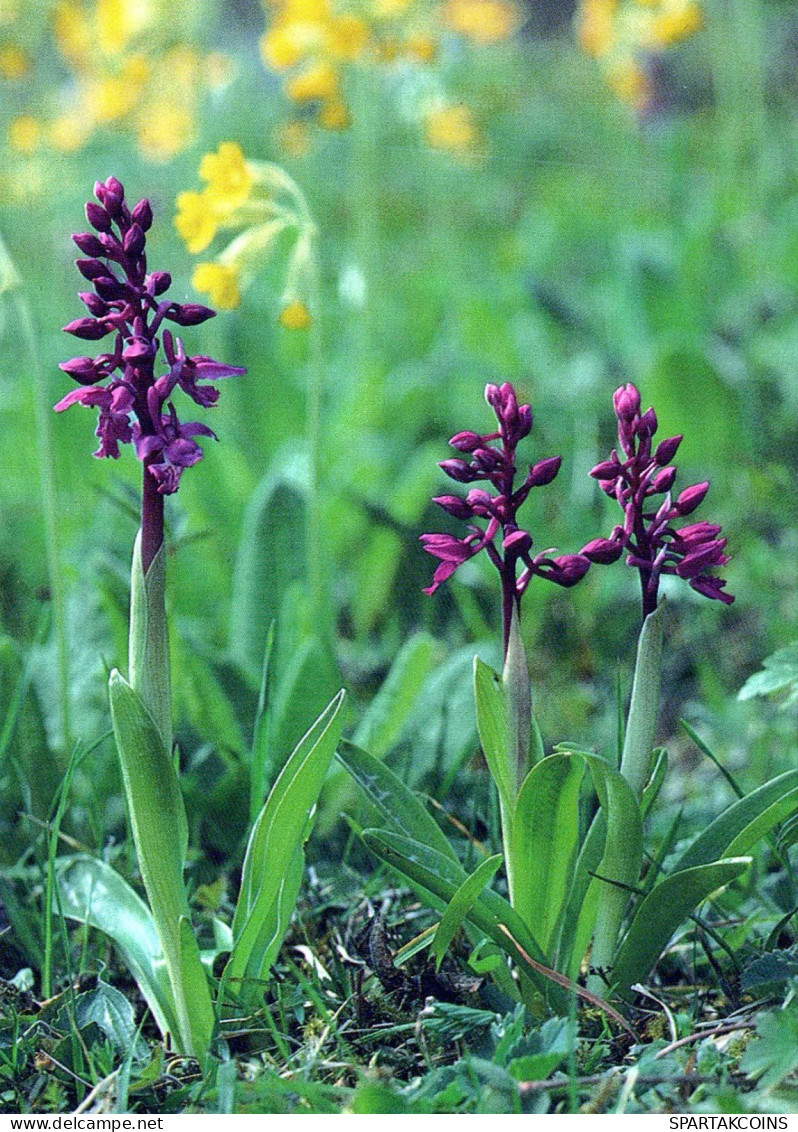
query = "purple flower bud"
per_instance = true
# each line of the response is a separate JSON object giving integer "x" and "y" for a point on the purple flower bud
{"x": 482, "y": 500}
{"x": 712, "y": 587}
{"x": 142, "y": 215}
{"x": 627, "y": 401}
{"x": 82, "y": 370}
{"x": 691, "y": 498}
{"x": 698, "y": 533}
{"x": 666, "y": 450}
{"x": 88, "y": 243}
{"x": 190, "y": 314}
{"x": 453, "y": 505}
{"x": 544, "y": 472}
{"x": 109, "y": 288}
{"x": 140, "y": 349}
{"x": 517, "y": 543}
{"x": 88, "y": 328}
{"x": 569, "y": 569}
{"x": 647, "y": 425}
{"x": 95, "y": 304}
{"x": 90, "y": 268}
{"x": 663, "y": 481}
{"x": 112, "y": 195}
{"x": 459, "y": 470}
{"x": 488, "y": 459}
{"x": 98, "y": 217}
{"x": 607, "y": 470}
{"x": 160, "y": 281}
{"x": 707, "y": 554}
{"x": 603, "y": 551}
{"x": 134, "y": 241}
{"x": 466, "y": 441}
{"x": 524, "y": 421}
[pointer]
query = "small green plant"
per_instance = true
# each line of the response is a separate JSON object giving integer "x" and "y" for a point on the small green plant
{"x": 157, "y": 941}
{"x": 576, "y": 883}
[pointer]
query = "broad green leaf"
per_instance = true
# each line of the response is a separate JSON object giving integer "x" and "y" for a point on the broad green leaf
{"x": 110, "y": 1011}
{"x": 277, "y": 834}
{"x": 660, "y": 914}
{"x": 304, "y": 689}
{"x": 545, "y": 839}
{"x": 461, "y": 904}
{"x": 93, "y": 893}
{"x": 160, "y": 833}
{"x": 397, "y": 804}
{"x": 148, "y": 659}
{"x": 493, "y": 731}
{"x": 271, "y": 555}
{"x": 612, "y": 850}
{"x": 641, "y": 726}
{"x": 258, "y": 767}
{"x": 387, "y": 714}
{"x": 744, "y": 822}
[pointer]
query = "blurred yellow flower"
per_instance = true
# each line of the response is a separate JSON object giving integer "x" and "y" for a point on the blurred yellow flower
{"x": 68, "y": 132}
{"x": 295, "y": 316}
{"x": 334, "y": 115}
{"x": 25, "y": 134}
{"x": 196, "y": 221}
{"x": 483, "y": 21}
{"x": 318, "y": 82}
{"x": 229, "y": 179}
{"x": 15, "y": 63}
{"x": 451, "y": 128}
{"x": 220, "y": 282}
{"x": 619, "y": 33}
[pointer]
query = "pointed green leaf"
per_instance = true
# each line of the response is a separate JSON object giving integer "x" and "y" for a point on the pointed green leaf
{"x": 518, "y": 702}
{"x": 660, "y": 914}
{"x": 493, "y": 731}
{"x": 461, "y": 904}
{"x": 278, "y": 832}
{"x": 385, "y": 718}
{"x": 397, "y": 804}
{"x": 743, "y": 823}
{"x": 160, "y": 833}
{"x": 545, "y": 841}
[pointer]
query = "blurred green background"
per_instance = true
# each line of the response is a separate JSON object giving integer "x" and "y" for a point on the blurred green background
{"x": 503, "y": 195}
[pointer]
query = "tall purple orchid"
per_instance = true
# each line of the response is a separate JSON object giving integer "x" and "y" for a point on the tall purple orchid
{"x": 655, "y": 545}
{"x": 135, "y": 405}
{"x": 507, "y": 544}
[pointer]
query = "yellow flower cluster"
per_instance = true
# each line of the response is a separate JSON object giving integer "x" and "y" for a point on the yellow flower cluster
{"x": 313, "y": 42}
{"x": 132, "y": 68}
{"x": 620, "y": 33}
{"x": 260, "y": 202}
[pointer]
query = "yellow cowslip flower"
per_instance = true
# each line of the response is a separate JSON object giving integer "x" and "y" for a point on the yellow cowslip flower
{"x": 196, "y": 221}
{"x": 421, "y": 47}
{"x": 295, "y": 316}
{"x": 15, "y": 62}
{"x": 630, "y": 82}
{"x": 675, "y": 25}
{"x": 229, "y": 178}
{"x": 73, "y": 33}
{"x": 319, "y": 82}
{"x": 25, "y": 134}
{"x": 280, "y": 48}
{"x": 220, "y": 282}
{"x": 597, "y": 26}
{"x": 112, "y": 97}
{"x": 334, "y": 115}
{"x": 390, "y": 9}
{"x": 451, "y": 128}
{"x": 483, "y": 21}
{"x": 164, "y": 131}
{"x": 347, "y": 37}
{"x": 118, "y": 21}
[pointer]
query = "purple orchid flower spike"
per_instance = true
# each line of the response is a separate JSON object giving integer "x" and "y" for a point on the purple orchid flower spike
{"x": 125, "y": 301}
{"x": 655, "y": 545}
{"x": 506, "y": 543}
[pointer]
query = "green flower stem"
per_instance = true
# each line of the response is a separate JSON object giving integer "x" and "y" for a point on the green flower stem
{"x": 641, "y": 724}
{"x": 11, "y": 281}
